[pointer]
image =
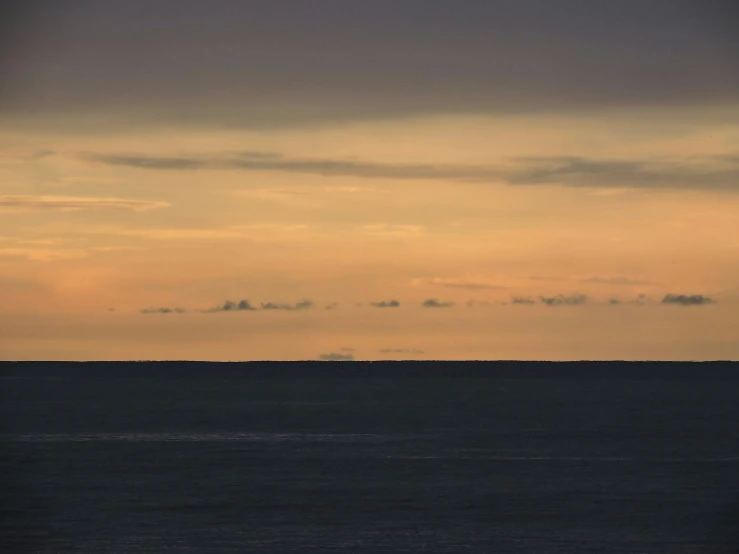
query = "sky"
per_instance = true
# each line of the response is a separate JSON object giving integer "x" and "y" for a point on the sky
{"x": 438, "y": 180}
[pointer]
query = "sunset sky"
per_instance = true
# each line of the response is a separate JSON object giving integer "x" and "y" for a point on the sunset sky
{"x": 425, "y": 179}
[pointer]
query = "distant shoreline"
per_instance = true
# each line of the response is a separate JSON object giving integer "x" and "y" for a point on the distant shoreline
{"x": 641, "y": 370}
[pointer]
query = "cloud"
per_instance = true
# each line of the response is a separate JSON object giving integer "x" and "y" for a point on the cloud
{"x": 522, "y": 300}
{"x": 74, "y": 203}
{"x": 386, "y": 304}
{"x": 348, "y": 188}
{"x": 434, "y": 303}
{"x": 10, "y": 284}
{"x": 231, "y": 306}
{"x": 717, "y": 172}
{"x": 687, "y": 300}
{"x": 331, "y": 306}
{"x": 640, "y": 300}
{"x": 44, "y": 254}
{"x": 546, "y": 278}
{"x": 614, "y": 281}
{"x": 561, "y": 300}
{"x": 256, "y": 232}
{"x": 336, "y": 357}
{"x": 401, "y": 351}
{"x": 247, "y": 67}
{"x": 388, "y": 230}
{"x": 176, "y": 234}
{"x": 461, "y": 283}
{"x": 302, "y": 305}
{"x": 473, "y": 303}
{"x": 161, "y": 310}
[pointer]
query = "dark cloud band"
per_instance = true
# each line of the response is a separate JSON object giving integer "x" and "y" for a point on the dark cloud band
{"x": 718, "y": 173}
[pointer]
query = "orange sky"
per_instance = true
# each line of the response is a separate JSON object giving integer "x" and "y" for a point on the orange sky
{"x": 595, "y": 215}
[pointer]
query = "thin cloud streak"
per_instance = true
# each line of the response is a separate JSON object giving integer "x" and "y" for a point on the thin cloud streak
{"x": 717, "y": 172}
{"x": 303, "y": 305}
{"x": 163, "y": 311}
{"x": 460, "y": 283}
{"x": 625, "y": 281}
{"x": 75, "y": 203}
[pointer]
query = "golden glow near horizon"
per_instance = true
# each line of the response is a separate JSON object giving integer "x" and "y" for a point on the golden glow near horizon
{"x": 550, "y": 235}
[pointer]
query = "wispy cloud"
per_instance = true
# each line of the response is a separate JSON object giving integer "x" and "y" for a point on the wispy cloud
{"x": 562, "y": 300}
{"x": 401, "y": 351}
{"x": 389, "y": 230}
{"x": 434, "y": 303}
{"x": 231, "y": 306}
{"x": 254, "y": 232}
{"x": 176, "y": 234}
{"x": 469, "y": 283}
{"x": 523, "y": 300}
{"x": 163, "y": 311}
{"x": 718, "y": 172}
{"x": 625, "y": 281}
{"x": 687, "y": 299}
{"x": 474, "y": 303}
{"x": 74, "y": 203}
{"x": 336, "y": 357}
{"x": 386, "y": 304}
{"x": 640, "y": 300}
{"x": 44, "y": 254}
{"x": 303, "y": 305}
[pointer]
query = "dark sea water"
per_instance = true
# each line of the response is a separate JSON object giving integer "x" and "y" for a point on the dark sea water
{"x": 329, "y": 464}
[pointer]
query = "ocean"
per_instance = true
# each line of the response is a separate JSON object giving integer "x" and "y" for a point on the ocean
{"x": 123, "y": 459}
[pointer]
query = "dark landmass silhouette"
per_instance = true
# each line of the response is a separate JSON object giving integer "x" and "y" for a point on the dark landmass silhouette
{"x": 728, "y": 370}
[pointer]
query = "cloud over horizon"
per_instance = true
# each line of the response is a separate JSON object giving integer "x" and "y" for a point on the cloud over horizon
{"x": 336, "y": 357}
{"x": 564, "y": 300}
{"x": 163, "y": 311}
{"x": 302, "y": 305}
{"x": 386, "y": 304}
{"x": 434, "y": 303}
{"x": 231, "y": 306}
{"x": 712, "y": 172}
{"x": 401, "y": 351}
{"x": 687, "y": 299}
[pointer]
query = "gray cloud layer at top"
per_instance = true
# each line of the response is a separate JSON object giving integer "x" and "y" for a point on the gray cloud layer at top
{"x": 717, "y": 172}
{"x": 268, "y": 62}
